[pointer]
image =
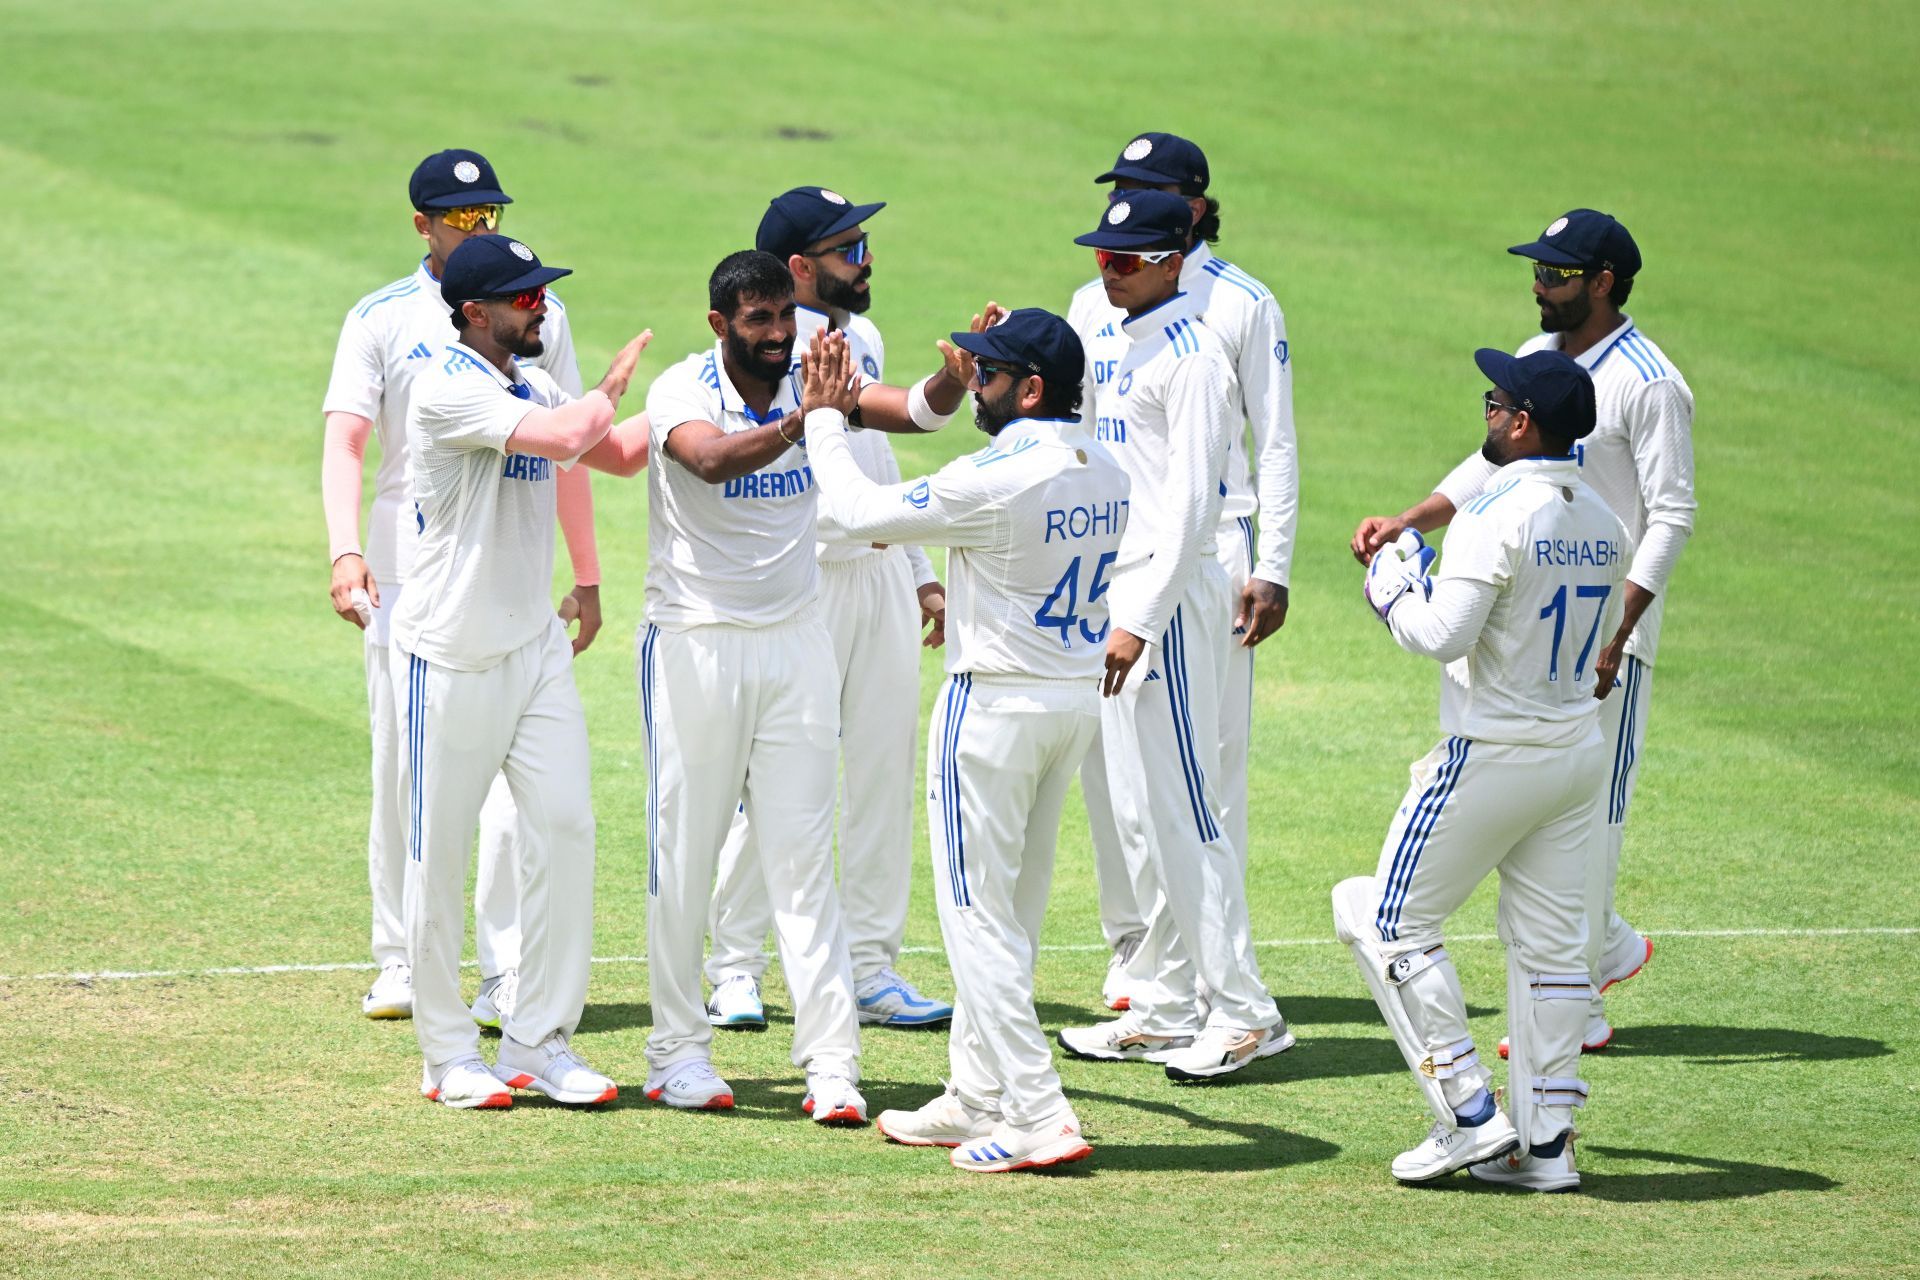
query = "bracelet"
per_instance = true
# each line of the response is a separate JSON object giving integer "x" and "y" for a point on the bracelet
{"x": 780, "y": 429}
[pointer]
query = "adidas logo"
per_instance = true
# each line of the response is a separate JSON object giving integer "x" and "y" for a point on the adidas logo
{"x": 419, "y": 352}
{"x": 1151, "y": 676}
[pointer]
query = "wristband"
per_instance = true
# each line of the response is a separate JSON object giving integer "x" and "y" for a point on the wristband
{"x": 923, "y": 414}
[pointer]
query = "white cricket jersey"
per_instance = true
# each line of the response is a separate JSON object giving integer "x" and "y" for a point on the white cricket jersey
{"x": 482, "y": 580}
{"x": 1639, "y": 459}
{"x": 389, "y": 337}
{"x": 740, "y": 552}
{"x": 1556, "y": 557}
{"x": 871, "y": 449}
{"x": 1167, "y": 414}
{"x": 1245, "y": 317}
{"x": 1035, "y": 521}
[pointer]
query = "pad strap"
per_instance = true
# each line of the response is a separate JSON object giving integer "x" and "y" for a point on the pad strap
{"x": 1414, "y": 963}
{"x": 1456, "y": 1058}
{"x": 1560, "y": 986}
{"x": 1559, "y": 1091}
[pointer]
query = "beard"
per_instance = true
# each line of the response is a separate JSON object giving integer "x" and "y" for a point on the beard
{"x": 768, "y": 362}
{"x": 1563, "y": 317}
{"x": 841, "y": 294}
{"x": 526, "y": 344}
{"x": 992, "y": 416}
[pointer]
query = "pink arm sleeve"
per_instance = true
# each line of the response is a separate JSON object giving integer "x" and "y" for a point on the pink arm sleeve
{"x": 340, "y": 458}
{"x": 575, "y": 501}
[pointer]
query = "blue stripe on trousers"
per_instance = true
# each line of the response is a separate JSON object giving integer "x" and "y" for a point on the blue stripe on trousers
{"x": 1414, "y": 835}
{"x": 1177, "y": 703}
{"x": 653, "y": 760}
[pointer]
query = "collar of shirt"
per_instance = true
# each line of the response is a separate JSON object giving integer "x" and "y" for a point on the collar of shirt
{"x": 1193, "y": 264}
{"x": 1592, "y": 355}
{"x": 514, "y": 386}
{"x": 1046, "y": 430}
{"x": 1156, "y": 318}
{"x": 786, "y": 399}
{"x": 819, "y": 319}
{"x": 1553, "y": 470}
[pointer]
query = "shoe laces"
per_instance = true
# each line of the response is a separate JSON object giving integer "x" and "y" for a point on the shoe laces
{"x": 831, "y": 1086}
{"x": 560, "y": 1053}
{"x": 885, "y": 977}
{"x": 696, "y": 1071}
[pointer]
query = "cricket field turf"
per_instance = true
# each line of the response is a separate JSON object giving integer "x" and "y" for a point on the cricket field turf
{"x": 195, "y": 192}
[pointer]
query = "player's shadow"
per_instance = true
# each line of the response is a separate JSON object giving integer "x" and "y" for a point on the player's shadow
{"x": 1682, "y": 1179}
{"x": 1740, "y": 1046}
{"x": 615, "y": 1015}
{"x": 1300, "y": 1011}
{"x": 1219, "y": 1145}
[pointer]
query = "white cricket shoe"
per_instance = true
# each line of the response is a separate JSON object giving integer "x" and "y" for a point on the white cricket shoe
{"x": 692, "y": 1085}
{"x": 1117, "y": 991}
{"x": 1055, "y": 1140}
{"x": 1221, "y": 1049}
{"x": 1446, "y": 1150}
{"x": 832, "y": 1099}
{"x": 1120, "y": 1040}
{"x": 391, "y": 995}
{"x": 736, "y": 1004}
{"x": 466, "y": 1085}
{"x": 886, "y": 999}
{"x": 944, "y": 1122}
{"x": 1521, "y": 1168}
{"x": 1599, "y": 1035}
{"x": 1624, "y": 961}
{"x": 495, "y": 999}
{"x": 553, "y": 1068}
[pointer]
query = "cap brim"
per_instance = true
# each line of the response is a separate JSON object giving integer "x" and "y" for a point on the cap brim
{"x": 983, "y": 344}
{"x": 1139, "y": 174}
{"x": 1116, "y": 238}
{"x": 532, "y": 280}
{"x": 853, "y": 217}
{"x": 461, "y": 200}
{"x": 1497, "y": 366}
{"x": 1541, "y": 251}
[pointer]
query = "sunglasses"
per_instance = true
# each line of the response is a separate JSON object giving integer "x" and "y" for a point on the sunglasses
{"x": 854, "y": 251}
{"x": 1125, "y": 264}
{"x": 525, "y": 300}
{"x": 467, "y": 217}
{"x": 1489, "y": 406}
{"x": 1551, "y": 276}
{"x": 983, "y": 372}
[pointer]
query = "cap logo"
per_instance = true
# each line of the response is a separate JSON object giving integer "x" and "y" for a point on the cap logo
{"x": 832, "y": 197}
{"x": 1138, "y": 149}
{"x": 1559, "y": 225}
{"x": 520, "y": 251}
{"x": 1118, "y": 213}
{"x": 467, "y": 171}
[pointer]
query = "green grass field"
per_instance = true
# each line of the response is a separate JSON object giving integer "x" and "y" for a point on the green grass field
{"x": 194, "y": 194}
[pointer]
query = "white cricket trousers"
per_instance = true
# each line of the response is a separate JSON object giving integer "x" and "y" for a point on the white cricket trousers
{"x": 873, "y": 615}
{"x": 1472, "y": 808}
{"x": 1001, "y": 751}
{"x": 496, "y": 907}
{"x": 1160, "y": 737}
{"x": 461, "y": 730}
{"x": 1120, "y": 913}
{"x": 1623, "y": 723}
{"x": 733, "y": 715}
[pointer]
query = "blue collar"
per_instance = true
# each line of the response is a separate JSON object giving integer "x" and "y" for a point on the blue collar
{"x": 1130, "y": 321}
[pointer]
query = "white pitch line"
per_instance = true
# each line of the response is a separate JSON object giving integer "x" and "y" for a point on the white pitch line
{"x": 244, "y": 971}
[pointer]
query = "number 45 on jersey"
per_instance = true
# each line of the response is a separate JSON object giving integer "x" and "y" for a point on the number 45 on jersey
{"x": 1068, "y": 590}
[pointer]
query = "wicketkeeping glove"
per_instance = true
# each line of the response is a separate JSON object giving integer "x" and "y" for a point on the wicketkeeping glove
{"x": 1397, "y": 568}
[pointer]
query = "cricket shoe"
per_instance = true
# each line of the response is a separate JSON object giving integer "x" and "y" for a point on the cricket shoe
{"x": 736, "y": 1004}
{"x": 832, "y": 1099}
{"x": 553, "y": 1068}
{"x": 1220, "y": 1049}
{"x": 466, "y": 1085}
{"x": 889, "y": 1000}
{"x": 1447, "y": 1149}
{"x": 692, "y": 1085}
{"x": 1055, "y": 1140}
{"x": 944, "y": 1122}
{"x": 1121, "y": 1040}
{"x": 1521, "y": 1168}
{"x": 1117, "y": 991}
{"x": 1623, "y": 962}
{"x": 495, "y": 998}
{"x": 1599, "y": 1035}
{"x": 391, "y": 995}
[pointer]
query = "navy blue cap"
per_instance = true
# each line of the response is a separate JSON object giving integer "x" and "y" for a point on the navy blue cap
{"x": 1032, "y": 339}
{"x": 493, "y": 267}
{"x": 804, "y": 215}
{"x": 1552, "y": 386}
{"x": 1137, "y": 220}
{"x": 453, "y": 179}
{"x": 1161, "y": 159}
{"x": 1585, "y": 238}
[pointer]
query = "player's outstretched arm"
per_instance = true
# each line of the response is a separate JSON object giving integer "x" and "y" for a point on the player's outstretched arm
{"x": 1375, "y": 532}
{"x": 340, "y": 460}
{"x": 931, "y": 402}
{"x": 624, "y": 449}
{"x": 572, "y": 429}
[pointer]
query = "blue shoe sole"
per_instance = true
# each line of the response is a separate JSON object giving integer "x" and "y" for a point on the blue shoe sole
{"x": 912, "y": 1020}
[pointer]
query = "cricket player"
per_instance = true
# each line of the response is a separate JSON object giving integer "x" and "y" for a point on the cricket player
{"x": 1639, "y": 459}
{"x": 389, "y": 337}
{"x": 1243, "y": 314}
{"x": 1169, "y": 413}
{"x": 1530, "y": 582}
{"x": 875, "y": 600}
{"x": 488, "y": 672}
{"x": 739, "y": 691}
{"x": 1034, "y": 521}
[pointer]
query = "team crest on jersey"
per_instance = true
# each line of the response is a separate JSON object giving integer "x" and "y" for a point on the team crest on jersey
{"x": 1559, "y": 225}
{"x": 520, "y": 251}
{"x": 1119, "y": 213}
{"x": 1126, "y": 382}
{"x": 832, "y": 197}
{"x": 1280, "y": 351}
{"x": 872, "y": 367}
{"x": 467, "y": 171}
{"x": 1138, "y": 149}
{"x": 919, "y": 495}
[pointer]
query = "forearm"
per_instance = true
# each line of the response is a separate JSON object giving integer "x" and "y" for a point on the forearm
{"x": 1445, "y": 624}
{"x": 564, "y": 433}
{"x": 1654, "y": 559}
{"x": 893, "y": 409}
{"x": 720, "y": 457}
{"x": 574, "y": 501}
{"x": 1434, "y": 511}
{"x": 341, "y": 455}
{"x": 1636, "y": 599}
{"x": 624, "y": 449}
